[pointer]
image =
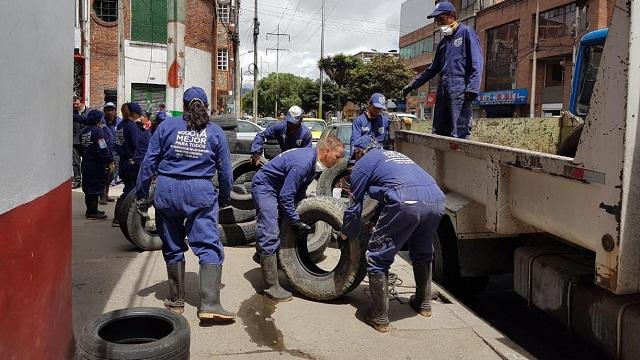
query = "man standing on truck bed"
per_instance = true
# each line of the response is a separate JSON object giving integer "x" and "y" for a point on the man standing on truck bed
{"x": 458, "y": 60}
{"x": 412, "y": 206}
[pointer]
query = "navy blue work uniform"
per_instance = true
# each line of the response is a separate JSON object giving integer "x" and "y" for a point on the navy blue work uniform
{"x": 377, "y": 128}
{"x": 276, "y": 188}
{"x": 95, "y": 159}
{"x": 412, "y": 206}
{"x": 110, "y": 137}
{"x": 186, "y": 201}
{"x": 459, "y": 62}
{"x": 128, "y": 134}
{"x": 278, "y": 131}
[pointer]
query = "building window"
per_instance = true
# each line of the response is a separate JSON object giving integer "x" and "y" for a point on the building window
{"x": 554, "y": 73}
{"x": 557, "y": 22}
{"x": 149, "y": 21}
{"x": 502, "y": 57}
{"x": 223, "y": 59}
{"x": 466, "y": 4}
{"x": 417, "y": 48}
{"x": 223, "y": 13}
{"x": 106, "y": 10}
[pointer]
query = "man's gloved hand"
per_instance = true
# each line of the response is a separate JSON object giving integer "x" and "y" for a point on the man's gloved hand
{"x": 470, "y": 96}
{"x": 222, "y": 203}
{"x": 255, "y": 159}
{"x": 302, "y": 229}
{"x": 406, "y": 90}
{"x": 142, "y": 206}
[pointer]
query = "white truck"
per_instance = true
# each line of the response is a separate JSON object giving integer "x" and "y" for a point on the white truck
{"x": 568, "y": 228}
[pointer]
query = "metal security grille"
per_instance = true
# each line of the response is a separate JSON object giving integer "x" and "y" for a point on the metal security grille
{"x": 78, "y": 78}
{"x": 148, "y": 96}
{"x": 149, "y": 23}
{"x": 106, "y": 10}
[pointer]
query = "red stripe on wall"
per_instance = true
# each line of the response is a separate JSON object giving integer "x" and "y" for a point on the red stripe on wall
{"x": 35, "y": 278}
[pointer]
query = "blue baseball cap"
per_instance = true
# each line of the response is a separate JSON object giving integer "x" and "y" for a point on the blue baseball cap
{"x": 366, "y": 143}
{"x": 195, "y": 93}
{"x": 378, "y": 100}
{"x": 95, "y": 116}
{"x": 441, "y": 8}
{"x": 134, "y": 108}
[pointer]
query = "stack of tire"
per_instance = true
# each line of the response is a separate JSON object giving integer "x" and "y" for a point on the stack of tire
{"x": 228, "y": 123}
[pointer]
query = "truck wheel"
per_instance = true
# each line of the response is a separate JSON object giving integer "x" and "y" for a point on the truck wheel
{"x": 237, "y": 234}
{"x": 304, "y": 275}
{"x": 226, "y": 122}
{"x": 446, "y": 267}
{"x": 136, "y": 333}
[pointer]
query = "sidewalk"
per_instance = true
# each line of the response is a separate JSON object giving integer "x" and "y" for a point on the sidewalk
{"x": 109, "y": 274}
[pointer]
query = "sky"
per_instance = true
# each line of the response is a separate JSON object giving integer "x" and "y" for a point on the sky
{"x": 350, "y": 26}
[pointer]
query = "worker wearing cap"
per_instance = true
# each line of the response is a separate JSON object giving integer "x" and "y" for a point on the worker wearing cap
{"x": 412, "y": 206}
{"x": 96, "y": 159}
{"x": 111, "y": 122}
{"x": 458, "y": 60}
{"x": 289, "y": 133}
{"x": 185, "y": 153}
{"x": 372, "y": 121}
{"x": 276, "y": 188}
{"x": 127, "y": 136}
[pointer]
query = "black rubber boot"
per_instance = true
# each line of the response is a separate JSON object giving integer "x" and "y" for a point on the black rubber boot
{"x": 421, "y": 301}
{"x": 378, "y": 312}
{"x": 210, "y": 307}
{"x": 269, "y": 265}
{"x": 175, "y": 273}
{"x": 116, "y": 213}
{"x": 91, "y": 201}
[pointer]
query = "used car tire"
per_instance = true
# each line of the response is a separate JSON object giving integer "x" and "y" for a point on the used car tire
{"x": 136, "y": 333}
{"x": 238, "y": 234}
{"x": 123, "y": 214}
{"x": 303, "y": 275}
{"x": 226, "y": 122}
{"x": 240, "y": 166}
{"x": 231, "y": 215}
{"x": 569, "y": 146}
{"x": 271, "y": 149}
{"x": 232, "y": 140}
{"x": 135, "y": 224}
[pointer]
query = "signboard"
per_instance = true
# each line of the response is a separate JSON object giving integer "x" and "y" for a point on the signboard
{"x": 430, "y": 100}
{"x": 503, "y": 97}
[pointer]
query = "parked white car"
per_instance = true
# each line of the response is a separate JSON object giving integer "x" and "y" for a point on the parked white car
{"x": 246, "y": 132}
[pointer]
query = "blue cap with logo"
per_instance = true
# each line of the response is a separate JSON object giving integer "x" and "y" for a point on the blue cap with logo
{"x": 195, "y": 93}
{"x": 366, "y": 143}
{"x": 95, "y": 116}
{"x": 442, "y": 8}
{"x": 378, "y": 100}
{"x": 134, "y": 108}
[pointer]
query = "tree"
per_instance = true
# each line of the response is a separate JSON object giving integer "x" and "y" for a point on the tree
{"x": 384, "y": 74}
{"x": 339, "y": 69}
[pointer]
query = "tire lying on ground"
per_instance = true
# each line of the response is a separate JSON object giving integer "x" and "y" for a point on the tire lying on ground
{"x": 231, "y": 215}
{"x": 136, "y": 333}
{"x": 271, "y": 149}
{"x": 302, "y": 272}
{"x": 237, "y": 234}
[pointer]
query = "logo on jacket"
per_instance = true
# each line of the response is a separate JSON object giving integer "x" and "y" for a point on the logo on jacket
{"x": 381, "y": 130}
{"x": 366, "y": 128}
{"x": 298, "y": 142}
{"x": 457, "y": 42}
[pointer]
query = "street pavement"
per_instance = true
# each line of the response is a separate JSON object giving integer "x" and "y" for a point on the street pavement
{"x": 109, "y": 274}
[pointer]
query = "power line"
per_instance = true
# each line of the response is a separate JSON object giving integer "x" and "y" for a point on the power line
{"x": 277, "y": 49}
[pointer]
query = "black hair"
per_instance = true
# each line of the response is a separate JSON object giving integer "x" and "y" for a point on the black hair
{"x": 198, "y": 116}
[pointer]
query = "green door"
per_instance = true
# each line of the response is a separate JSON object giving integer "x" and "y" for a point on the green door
{"x": 148, "y": 96}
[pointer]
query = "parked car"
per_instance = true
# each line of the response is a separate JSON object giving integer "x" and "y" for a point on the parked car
{"x": 246, "y": 132}
{"x": 316, "y": 126}
{"x": 267, "y": 121}
{"x": 343, "y": 132}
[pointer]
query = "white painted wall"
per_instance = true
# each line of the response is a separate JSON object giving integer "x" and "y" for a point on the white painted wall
{"x": 36, "y": 98}
{"x": 146, "y": 64}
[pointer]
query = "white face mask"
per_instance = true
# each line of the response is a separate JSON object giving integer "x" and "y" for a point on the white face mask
{"x": 446, "y": 30}
{"x": 320, "y": 166}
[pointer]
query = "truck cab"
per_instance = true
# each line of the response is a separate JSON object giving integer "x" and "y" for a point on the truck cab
{"x": 585, "y": 71}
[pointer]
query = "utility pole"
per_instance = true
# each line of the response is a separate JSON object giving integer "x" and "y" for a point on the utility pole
{"x": 320, "y": 115}
{"x": 277, "y": 49}
{"x": 256, "y": 32}
{"x": 175, "y": 56}
{"x": 534, "y": 71}
{"x": 236, "y": 58}
{"x": 121, "y": 86}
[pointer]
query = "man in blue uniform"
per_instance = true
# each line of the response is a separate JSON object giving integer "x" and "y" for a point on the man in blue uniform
{"x": 80, "y": 112}
{"x": 111, "y": 121}
{"x": 412, "y": 206}
{"x": 277, "y": 187}
{"x": 458, "y": 60}
{"x": 289, "y": 133}
{"x": 372, "y": 122}
{"x": 185, "y": 153}
{"x": 127, "y": 136}
{"x": 96, "y": 160}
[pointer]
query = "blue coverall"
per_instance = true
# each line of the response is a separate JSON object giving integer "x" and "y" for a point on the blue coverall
{"x": 95, "y": 158}
{"x": 276, "y": 188}
{"x": 128, "y": 133}
{"x": 459, "y": 62}
{"x": 110, "y": 136}
{"x": 412, "y": 206}
{"x": 278, "y": 131}
{"x": 184, "y": 162}
{"x": 378, "y": 128}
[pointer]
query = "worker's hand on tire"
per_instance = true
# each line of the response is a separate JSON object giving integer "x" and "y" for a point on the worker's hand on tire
{"x": 223, "y": 203}
{"x": 142, "y": 206}
{"x": 302, "y": 229}
{"x": 470, "y": 96}
{"x": 406, "y": 90}
{"x": 255, "y": 159}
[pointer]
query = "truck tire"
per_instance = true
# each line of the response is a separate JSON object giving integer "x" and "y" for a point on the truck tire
{"x": 237, "y": 234}
{"x": 303, "y": 274}
{"x": 226, "y": 122}
{"x": 232, "y": 140}
{"x": 569, "y": 146}
{"x": 231, "y": 215}
{"x": 123, "y": 214}
{"x": 241, "y": 166}
{"x": 271, "y": 149}
{"x": 136, "y": 333}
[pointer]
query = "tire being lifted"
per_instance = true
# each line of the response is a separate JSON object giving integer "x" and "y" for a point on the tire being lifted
{"x": 303, "y": 274}
{"x": 136, "y": 333}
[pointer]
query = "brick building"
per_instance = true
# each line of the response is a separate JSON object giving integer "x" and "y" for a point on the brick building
{"x": 506, "y": 31}
{"x": 208, "y": 59}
